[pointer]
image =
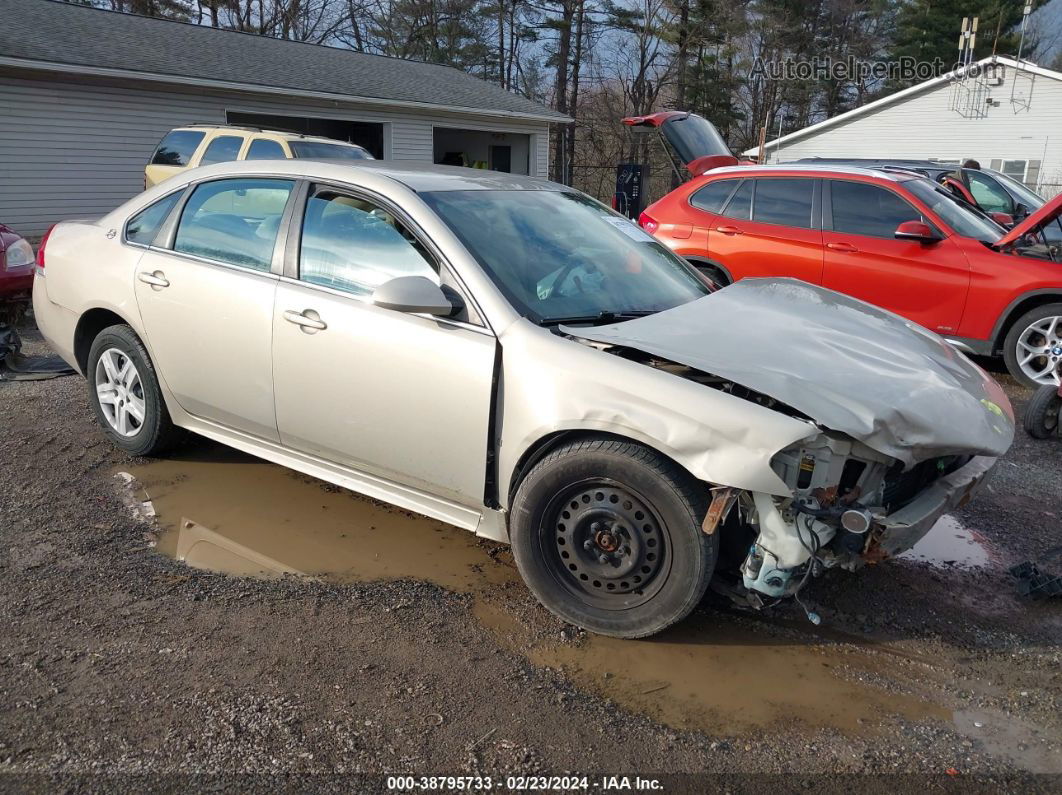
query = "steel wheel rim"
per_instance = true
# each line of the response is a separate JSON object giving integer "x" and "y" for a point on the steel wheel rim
{"x": 120, "y": 392}
{"x": 1039, "y": 350}
{"x": 600, "y": 517}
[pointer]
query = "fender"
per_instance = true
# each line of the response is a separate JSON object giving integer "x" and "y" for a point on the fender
{"x": 1053, "y": 293}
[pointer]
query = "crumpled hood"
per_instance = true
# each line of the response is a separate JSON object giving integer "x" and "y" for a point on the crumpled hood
{"x": 851, "y": 367}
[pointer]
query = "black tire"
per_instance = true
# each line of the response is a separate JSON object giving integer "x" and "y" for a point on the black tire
{"x": 1044, "y": 413}
{"x": 713, "y": 273}
{"x": 605, "y": 497}
{"x": 157, "y": 433}
{"x": 1010, "y": 344}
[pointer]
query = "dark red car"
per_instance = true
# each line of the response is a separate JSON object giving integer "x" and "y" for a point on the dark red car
{"x": 894, "y": 239}
{"x": 16, "y": 266}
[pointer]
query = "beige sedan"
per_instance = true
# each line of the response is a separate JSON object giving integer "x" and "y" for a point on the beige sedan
{"x": 508, "y": 355}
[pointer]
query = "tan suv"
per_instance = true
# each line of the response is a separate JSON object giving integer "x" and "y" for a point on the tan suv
{"x": 204, "y": 144}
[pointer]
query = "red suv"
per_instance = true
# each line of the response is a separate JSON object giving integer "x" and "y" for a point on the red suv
{"x": 894, "y": 239}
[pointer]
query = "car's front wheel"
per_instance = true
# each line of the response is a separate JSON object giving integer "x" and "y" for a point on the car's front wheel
{"x": 607, "y": 535}
{"x": 125, "y": 395}
{"x": 1033, "y": 347}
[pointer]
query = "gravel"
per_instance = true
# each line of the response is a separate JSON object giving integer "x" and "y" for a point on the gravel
{"x": 121, "y": 669}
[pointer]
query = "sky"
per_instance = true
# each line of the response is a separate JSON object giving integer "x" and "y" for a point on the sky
{"x": 1046, "y": 22}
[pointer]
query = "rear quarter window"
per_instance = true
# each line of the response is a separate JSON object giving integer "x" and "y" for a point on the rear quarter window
{"x": 177, "y": 148}
{"x": 713, "y": 196}
{"x": 143, "y": 226}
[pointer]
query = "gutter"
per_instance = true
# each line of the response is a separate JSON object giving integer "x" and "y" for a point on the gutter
{"x": 253, "y": 88}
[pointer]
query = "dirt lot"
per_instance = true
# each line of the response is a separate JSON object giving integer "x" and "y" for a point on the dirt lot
{"x": 414, "y": 649}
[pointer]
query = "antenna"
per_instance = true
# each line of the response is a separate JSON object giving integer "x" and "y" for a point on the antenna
{"x": 969, "y": 94}
{"x": 1024, "y": 24}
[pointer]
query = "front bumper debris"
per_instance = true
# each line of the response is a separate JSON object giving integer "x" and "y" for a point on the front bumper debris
{"x": 899, "y": 531}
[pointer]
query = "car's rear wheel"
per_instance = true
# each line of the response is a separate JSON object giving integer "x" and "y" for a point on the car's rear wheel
{"x": 715, "y": 274}
{"x": 125, "y": 394}
{"x": 1033, "y": 347}
{"x": 1044, "y": 413}
{"x": 606, "y": 534}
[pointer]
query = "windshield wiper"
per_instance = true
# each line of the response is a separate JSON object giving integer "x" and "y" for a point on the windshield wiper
{"x": 600, "y": 317}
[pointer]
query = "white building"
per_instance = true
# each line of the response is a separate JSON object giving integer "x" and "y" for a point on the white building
{"x": 1004, "y": 114}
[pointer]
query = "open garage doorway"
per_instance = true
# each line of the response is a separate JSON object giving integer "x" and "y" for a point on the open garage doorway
{"x": 366, "y": 134}
{"x": 509, "y": 152}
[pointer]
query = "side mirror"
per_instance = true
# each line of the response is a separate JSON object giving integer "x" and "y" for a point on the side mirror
{"x": 916, "y": 231}
{"x": 1003, "y": 219}
{"x": 1021, "y": 210}
{"x": 415, "y": 295}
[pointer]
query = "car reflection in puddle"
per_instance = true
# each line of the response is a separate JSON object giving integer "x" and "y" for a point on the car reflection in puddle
{"x": 222, "y": 511}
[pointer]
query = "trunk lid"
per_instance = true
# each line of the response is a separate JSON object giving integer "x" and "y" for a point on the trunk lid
{"x": 693, "y": 138}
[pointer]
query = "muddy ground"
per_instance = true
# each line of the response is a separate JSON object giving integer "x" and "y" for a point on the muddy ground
{"x": 373, "y": 642}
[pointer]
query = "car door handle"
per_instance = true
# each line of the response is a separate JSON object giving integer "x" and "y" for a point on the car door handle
{"x": 302, "y": 319}
{"x": 847, "y": 248}
{"x": 156, "y": 279}
{"x": 729, "y": 230}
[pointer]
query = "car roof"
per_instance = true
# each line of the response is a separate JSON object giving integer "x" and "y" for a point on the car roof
{"x": 420, "y": 177}
{"x": 808, "y": 168}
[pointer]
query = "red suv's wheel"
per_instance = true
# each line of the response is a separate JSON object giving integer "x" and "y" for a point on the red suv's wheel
{"x": 1033, "y": 347}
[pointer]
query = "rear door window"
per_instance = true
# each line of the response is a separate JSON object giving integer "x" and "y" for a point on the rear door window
{"x": 177, "y": 148}
{"x": 143, "y": 226}
{"x": 784, "y": 201}
{"x": 713, "y": 196}
{"x": 234, "y": 221}
{"x": 222, "y": 149}
{"x": 740, "y": 205}
{"x": 265, "y": 149}
{"x": 860, "y": 208}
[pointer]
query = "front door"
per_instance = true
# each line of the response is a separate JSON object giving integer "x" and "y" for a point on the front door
{"x": 405, "y": 397}
{"x": 926, "y": 283}
{"x": 207, "y": 303}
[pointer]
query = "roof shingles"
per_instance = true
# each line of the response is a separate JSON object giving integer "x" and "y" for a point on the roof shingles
{"x": 74, "y": 35}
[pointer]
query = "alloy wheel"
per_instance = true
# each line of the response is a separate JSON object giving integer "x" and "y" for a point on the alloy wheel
{"x": 1039, "y": 350}
{"x": 120, "y": 393}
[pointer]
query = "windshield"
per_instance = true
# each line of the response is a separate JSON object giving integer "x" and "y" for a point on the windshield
{"x": 563, "y": 257}
{"x": 965, "y": 220}
{"x": 318, "y": 150}
{"x": 1029, "y": 198}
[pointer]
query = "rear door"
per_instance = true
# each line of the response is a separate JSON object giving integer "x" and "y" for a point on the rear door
{"x": 206, "y": 301}
{"x": 924, "y": 283}
{"x": 769, "y": 227}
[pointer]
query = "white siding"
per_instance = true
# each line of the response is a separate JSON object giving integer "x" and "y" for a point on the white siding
{"x": 75, "y": 149}
{"x": 924, "y": 126}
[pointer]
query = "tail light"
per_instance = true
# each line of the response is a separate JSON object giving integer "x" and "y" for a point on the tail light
{"x": 648, "y": 223}
{"x": 44, "y": 242}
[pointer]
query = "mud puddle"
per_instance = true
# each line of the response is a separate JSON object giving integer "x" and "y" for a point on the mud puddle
{"x": 223, "y": 511}
{"x": 951, "y": 543}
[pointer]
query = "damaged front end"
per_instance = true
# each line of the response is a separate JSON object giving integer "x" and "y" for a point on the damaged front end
{"x": 902, "y": 428}
{"x": 850, "y": 506}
